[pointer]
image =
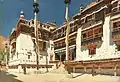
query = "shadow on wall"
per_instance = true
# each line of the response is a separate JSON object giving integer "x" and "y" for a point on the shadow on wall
{"x": 6, "y": 77}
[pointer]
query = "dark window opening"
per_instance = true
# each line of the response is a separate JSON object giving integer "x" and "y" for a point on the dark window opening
{"x": 99, "y": 16}
{"x": 32, "y": 21}
{"x": 63, "y": 57}
{"x": 90, "y": 33}
{"x": 29, "y": 23}
{"x": 44, "y": 46}
{"x": 17, "y": 54}
{"x": 118, "y": 47}
{"x": 57, "y": 57}
{"x": 28, "y": 56}
{"x": 74, "y": 54}
{"x": 116, "y": 24}
{"x": 84, "y": 35}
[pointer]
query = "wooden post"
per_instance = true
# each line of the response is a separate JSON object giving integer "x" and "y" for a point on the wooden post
{"x": 67, "y": 2}
{"x": 73, "y": 69}
{"x": 99, "y": 69}
{"x": 84, "y": 69}
{"x": 93, "y": 70}
{"x": 115, "y": 72}
{"x": 60, "y": 60}
{"x": 51, "y": 57}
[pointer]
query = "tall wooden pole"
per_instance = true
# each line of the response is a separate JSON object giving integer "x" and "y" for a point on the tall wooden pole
{"x": 67, "y": 2}
{"x": 6, "y": 46}
{"x": 36, "y": 10}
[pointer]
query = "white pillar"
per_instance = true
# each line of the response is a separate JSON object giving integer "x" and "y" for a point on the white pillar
{"x": 106, "y": 35}
{"x": 78, "y": 44}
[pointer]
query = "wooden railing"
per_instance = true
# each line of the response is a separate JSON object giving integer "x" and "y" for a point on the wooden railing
{"x": 103, "y": 66}
{"x": 63, "y": 34}
{"x": 115, "y": 30}
{"x": 115, "y": 10}
{"x": 91, "y": 23}
{"x": 64, "y": 45}
{"x": 92, "y": 38}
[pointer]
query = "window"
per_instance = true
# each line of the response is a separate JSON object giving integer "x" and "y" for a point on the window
{"x": 84, "y": 35}
{"x": 52, "y": 48}
{"x": 115, "y": 25}
{"x": 17, "y": 54}
{"x": 118, "y": 47}
{"x": 92, "y": 51}
{"x": 28, "y": 56}
{"x": 82, "y": 21}
{"x": 99, "y": 16}
{"x": 89, "y": 18}
{"x": 40, "y": 25}
{"x": 44, "y": 46}
{"x": 72, "y": 29}
{"x": 90, "y": 33}
{"x": 28, "y": 67}
{"x": 32, "y": 21}
{"x": 29, "y": 23}
{"x": 32, "y": 29}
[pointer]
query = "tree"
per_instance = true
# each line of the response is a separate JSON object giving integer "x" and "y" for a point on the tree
{"x": 2, "y": 55}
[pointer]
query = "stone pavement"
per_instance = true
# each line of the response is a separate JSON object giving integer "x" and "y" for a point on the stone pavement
{"x": 53, "y": 77}
{"x": 60, "y": 75}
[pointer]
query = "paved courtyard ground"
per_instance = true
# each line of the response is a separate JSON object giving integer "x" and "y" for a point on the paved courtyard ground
{"x": 53, "y": 77}
{"x": 58, "y": 75}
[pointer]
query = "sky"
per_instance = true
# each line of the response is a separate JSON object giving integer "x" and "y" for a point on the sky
{"x": 50, "y": 10}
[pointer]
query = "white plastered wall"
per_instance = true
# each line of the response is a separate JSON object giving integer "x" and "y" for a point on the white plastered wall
{"x": 105, "y": 51}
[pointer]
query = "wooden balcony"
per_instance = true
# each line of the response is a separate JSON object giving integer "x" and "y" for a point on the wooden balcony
{"x": 63, "y": 34}
{"x": 45, "y": 37}
{"x": 115, "y": 10}
{"x": 64, "y": 45}
{"x": 91, "y": 24}
{"x": 73, "y": 29}
{"x": 115, "y": 30}
{"x": 101, "y": 66}
{"x": 13, "y": 35}
{"x": 24, "y": 29}
{"x": 58, "y": 47}
{"x": 13, "y": 41}
{"x": 96, "y": 37}
{"x": 23, "y": 21}
{"x": 72, "y": 43}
